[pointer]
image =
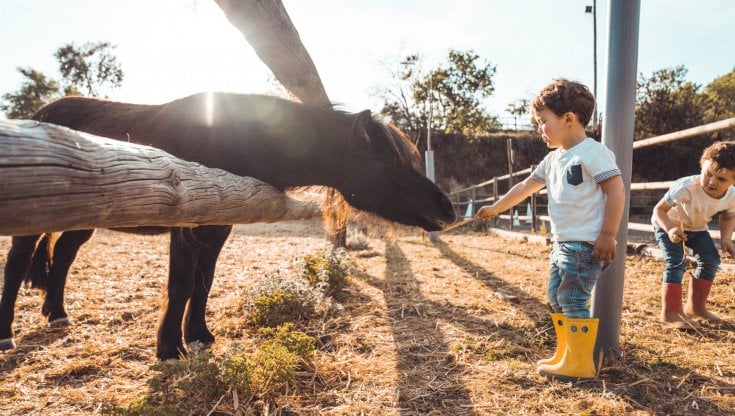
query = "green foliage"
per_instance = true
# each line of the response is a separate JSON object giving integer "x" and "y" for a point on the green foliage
{"x": 666, "y": 103}
{"x": 279, "y": 298}
{"x": 273, "y": 367}
{"x": 35, "y": 92}
{"x": 90, "y": 68}
{"x": 295, "y": 341}
{"x": 277, "y": 308}
{"x": 198, "y": 383}
{"x": 454, "y": 95}
{"x": 720, "y": 100}
{"x": 327, "y": 270}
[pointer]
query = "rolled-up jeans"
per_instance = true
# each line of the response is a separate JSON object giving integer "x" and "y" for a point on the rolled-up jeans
{"x": 574, "y": 272}
{"x": 705, "y": 254}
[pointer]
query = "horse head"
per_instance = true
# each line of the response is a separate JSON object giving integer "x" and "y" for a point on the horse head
{"x": 380, "y": 173}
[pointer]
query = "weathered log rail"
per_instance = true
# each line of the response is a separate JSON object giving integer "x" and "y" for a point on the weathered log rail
{"x": 56, "y": 179}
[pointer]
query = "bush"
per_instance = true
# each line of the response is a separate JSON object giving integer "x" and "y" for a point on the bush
{"x": 199, "y": 383}
{"x": 277, "y": 299}
{"x": 327, "y": 270}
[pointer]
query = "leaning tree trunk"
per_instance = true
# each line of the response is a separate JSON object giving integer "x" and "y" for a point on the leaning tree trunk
{"x": 57, "y": 179}
{"x": 269, "y": 30}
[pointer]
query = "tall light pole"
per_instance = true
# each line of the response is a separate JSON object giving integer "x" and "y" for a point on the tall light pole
{"x": 433, "y": 235}
{"x": 593, "y": 10}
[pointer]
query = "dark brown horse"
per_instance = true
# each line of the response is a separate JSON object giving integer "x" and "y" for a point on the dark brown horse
{"x": 283, "y": 143}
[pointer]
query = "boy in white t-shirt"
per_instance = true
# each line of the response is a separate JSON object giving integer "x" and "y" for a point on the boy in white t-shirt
{"x": 680, "y": 218}
{"x": 586, "y": 201}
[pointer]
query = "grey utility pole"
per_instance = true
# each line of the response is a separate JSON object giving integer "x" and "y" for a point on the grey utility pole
{"x": 617, "y": 135}
{"x": 433, "y": 235}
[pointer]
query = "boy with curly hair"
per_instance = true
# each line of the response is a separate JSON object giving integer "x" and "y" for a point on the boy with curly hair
{"x": 680, "y": 219}
{"x": 586, "y": 199}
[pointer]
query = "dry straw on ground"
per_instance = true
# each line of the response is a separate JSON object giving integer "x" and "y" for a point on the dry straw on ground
{"x": 452, "y": 328}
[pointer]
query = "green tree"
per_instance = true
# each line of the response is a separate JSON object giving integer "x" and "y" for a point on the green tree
{"x": 34, "y": 93}
{"x": 720, "y": 96}
{"x": 519, "y": 108}
{"x": 720, "y": 101}
{"x": 666, "y": 102}
{"x": 453, "y": 93}
{"x": 88, "y": 69}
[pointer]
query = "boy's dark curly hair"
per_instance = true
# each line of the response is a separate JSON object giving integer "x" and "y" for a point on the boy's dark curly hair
{"x": 721, "y": 154}
{"x": 563, "y": 96}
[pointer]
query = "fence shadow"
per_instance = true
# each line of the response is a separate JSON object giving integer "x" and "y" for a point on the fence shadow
{"x": 530, "y": 306}
{"x": 429, "y": 378}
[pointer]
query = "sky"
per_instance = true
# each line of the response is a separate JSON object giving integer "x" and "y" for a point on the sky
{"x": 170, "y": 49}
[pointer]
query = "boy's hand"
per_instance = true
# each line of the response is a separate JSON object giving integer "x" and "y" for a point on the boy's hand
{"x": 604, "y": 248}
{"x": 728, "y": 249}
{"x": 677, "y": 235}
{"x": 488, "y": 211}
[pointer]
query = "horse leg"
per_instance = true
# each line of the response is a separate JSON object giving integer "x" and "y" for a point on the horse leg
{"x": 182, "y": 263}
{"x": 17, "y": 266}
{"x": 65, "y": 251}
{"x": 210, "y": 240}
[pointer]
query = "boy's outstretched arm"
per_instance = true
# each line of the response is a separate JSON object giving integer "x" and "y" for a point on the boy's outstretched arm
{"x": 515, "y": 196}
{"x": 614, "y": 190}
{"x": 727, "y": 226}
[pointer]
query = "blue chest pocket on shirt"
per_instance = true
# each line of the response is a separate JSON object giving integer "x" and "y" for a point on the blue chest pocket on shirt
{"x": 574, "y": 175}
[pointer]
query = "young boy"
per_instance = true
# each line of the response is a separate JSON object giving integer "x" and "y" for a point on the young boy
{"x": 680, "y": 218}
{"x": 586, "y": 201}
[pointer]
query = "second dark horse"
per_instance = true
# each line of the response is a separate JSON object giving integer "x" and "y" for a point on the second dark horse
{"x": 280, "y": 142}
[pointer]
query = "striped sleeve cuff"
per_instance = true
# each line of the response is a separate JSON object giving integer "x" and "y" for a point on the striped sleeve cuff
{"x": 602, "y": 177}
{"x": 538, "y": 179}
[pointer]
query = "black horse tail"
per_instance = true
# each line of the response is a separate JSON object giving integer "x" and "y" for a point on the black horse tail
{"x": 38, "y": 275}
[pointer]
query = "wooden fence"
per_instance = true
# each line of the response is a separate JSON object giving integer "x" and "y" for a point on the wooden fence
{"x": 467, "y": 200}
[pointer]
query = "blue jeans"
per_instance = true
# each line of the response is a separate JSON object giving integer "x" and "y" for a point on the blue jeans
{"x": 705, "y": 254}
{"x": 574, "y": 272}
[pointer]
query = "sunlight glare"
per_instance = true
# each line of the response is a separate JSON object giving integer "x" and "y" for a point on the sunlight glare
{"x": 209, "y": 109}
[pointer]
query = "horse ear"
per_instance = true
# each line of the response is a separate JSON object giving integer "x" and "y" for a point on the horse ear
{"x": 362, "y": 122}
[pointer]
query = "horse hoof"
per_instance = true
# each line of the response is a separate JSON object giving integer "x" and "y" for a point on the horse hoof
{"x": 7, "y": 344}
{"x": 59, "y": 322}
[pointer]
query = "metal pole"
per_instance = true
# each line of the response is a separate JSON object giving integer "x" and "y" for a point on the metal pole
{"x": 594, "y": 58}
{"x": 433, "y": 235}
{"x": 622, "y": 61}
{"x": 533, "y": 206}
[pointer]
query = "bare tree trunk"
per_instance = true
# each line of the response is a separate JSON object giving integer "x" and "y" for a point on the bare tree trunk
{"x": 56, "y": 179}
{"x": 269, "y": 30}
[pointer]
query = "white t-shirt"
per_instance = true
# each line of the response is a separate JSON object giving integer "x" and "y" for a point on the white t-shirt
{"x": 576, "y": 200}
{"x": 693, "y": 207}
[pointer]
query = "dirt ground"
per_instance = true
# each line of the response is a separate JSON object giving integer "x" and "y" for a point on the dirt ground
{"x": 446, "y": 328}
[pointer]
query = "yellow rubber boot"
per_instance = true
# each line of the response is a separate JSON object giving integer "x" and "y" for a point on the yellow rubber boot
{"x": 561, "y": 339}
{"x": 578, "y": 361}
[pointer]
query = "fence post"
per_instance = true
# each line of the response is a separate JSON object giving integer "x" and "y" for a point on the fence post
{"x": 495, "y": 199}
{"x": 474, "y": 198}
{"x": 618, "y": 127}
{"x": 533, "y": 206}
{"x": 509, "y": 147}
